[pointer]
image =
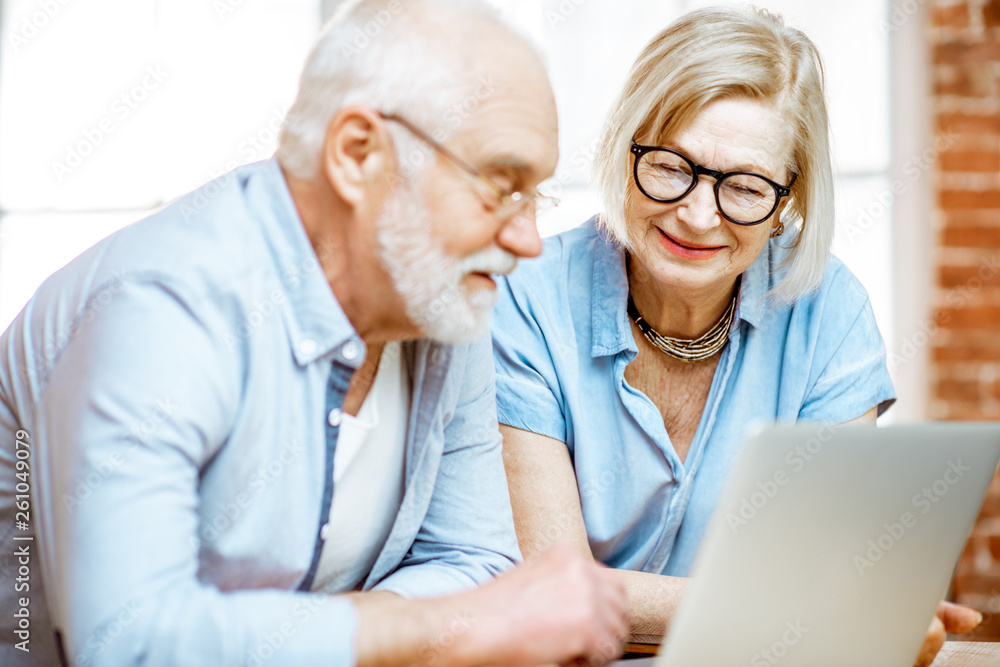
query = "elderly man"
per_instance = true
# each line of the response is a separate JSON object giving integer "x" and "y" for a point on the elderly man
{"x": 259, "y": 426}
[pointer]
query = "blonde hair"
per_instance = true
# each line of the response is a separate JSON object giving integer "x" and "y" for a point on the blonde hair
{"x": 715, "y": 53}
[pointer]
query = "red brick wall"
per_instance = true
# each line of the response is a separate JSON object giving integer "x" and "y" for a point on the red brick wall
{"x": 965, "y": 359}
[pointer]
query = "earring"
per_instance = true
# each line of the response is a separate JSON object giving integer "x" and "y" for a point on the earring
{"x": 778, "y": 230}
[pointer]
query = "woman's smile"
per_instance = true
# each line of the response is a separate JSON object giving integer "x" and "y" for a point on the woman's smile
{"x": 686, "y": 249}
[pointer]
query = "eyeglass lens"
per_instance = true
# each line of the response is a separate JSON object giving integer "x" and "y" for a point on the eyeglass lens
{"x": 744, "y": 197}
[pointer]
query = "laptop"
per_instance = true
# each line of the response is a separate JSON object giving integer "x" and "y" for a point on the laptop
{"x": 832, "y": 545}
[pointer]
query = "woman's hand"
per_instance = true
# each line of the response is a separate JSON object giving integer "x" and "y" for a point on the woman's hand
{"x": 950, "y": 618}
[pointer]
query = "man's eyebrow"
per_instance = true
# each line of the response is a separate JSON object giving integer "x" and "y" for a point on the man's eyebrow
{"x": 509, "y": 163}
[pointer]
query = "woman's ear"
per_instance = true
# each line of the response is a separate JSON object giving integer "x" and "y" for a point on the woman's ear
{"x": 357, "y": 152}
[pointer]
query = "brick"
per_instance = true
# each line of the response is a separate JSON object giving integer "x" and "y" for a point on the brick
{"x": 968, "y": 318}
{"x": 981, "y": 161}
{"x": 991, "y": 14}
{"x": 966, "y": 52}
{"x": 967, "y": 123}
{"x": 951, "y": 390}
{"x": 972, "y": 237}
{"x": 983, "y": 354}
{"x": 969, "y": 199}
{"x": 953, "y": 16}
{"x": 991, "y": 507}
{"x": 969, "y": 276}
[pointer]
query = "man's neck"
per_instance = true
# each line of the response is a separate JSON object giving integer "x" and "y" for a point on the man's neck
{"x": 346, "y": 250}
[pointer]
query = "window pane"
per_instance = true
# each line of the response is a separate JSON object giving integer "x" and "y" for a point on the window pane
{"x": 128, "y": 103}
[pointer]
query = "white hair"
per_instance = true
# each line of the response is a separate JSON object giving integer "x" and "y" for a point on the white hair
{"x": 740, "y": 52}
{"x": 416, "y": 58}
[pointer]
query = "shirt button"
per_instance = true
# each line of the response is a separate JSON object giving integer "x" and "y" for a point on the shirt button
{"x": 350, "y": 351}
{"x": 335, "y": 417}
{"x": 307, "y": 346}
{"x": 324, "y": 532}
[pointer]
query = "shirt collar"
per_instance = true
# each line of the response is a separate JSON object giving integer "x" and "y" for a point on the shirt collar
{"x": 316, "y": 323}
{"x": 756, "y": 281}
{"x": 612, "y": 332}
{"x": 609, "y": 316}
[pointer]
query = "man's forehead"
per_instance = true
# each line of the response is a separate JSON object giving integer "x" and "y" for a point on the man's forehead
{"x": 517, "y": 133}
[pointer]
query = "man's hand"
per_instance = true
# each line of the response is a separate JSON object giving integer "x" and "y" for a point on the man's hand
{"x": 950, "y": 618}
{"x": 559, "y": 607}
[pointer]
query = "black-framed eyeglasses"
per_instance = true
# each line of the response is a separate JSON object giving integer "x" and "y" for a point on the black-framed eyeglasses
{"x": 743, "y": 197}
{"x": 507, "y": 204}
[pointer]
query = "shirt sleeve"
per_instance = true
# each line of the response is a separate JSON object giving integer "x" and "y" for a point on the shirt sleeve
{"x": 140, "y": 399}
{"x": 527, "y": 385}
{"x": 467, "y": 536}
{"x": 854, "y": 376}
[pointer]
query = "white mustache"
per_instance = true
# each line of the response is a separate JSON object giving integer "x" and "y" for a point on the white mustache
{"x": 492, "y": 260}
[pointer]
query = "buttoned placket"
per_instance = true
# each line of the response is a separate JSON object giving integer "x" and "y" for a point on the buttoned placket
{"x": 336, "y": 389}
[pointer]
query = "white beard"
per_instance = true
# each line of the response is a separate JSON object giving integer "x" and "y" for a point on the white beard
{"x": 428, "y": 280}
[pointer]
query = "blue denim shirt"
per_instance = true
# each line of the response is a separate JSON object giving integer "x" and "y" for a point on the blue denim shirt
{"x": 175, "y": 382}
{"x": 562, "y": 340}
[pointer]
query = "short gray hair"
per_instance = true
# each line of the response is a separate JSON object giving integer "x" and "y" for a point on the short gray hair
{"x": 395, "y": 56}
{"x": 738, "y": 52}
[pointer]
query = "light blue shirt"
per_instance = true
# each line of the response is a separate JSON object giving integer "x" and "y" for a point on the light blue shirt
{"x": 175, "y": 381}
{"x": 562, "y": 340}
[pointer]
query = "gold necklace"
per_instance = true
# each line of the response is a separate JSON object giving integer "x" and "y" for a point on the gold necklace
{"x": 690, "y": 350}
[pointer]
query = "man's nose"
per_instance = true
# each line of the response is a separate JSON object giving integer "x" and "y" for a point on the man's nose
{"x": 519, "y": 234}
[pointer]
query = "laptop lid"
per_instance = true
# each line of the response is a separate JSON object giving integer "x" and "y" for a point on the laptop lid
{"x": 832, "y": 545}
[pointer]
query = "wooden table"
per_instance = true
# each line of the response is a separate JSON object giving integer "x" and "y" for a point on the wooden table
{"x": 969, "y": 654}
{"x": 954, "y": 654}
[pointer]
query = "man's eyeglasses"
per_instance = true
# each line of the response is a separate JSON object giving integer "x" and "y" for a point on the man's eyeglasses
{"x": 743, "y": 197}
{"x": 505, "y": 205}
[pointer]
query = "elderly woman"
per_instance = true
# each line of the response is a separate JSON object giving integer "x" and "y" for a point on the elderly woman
{"x": 634, "y": 353}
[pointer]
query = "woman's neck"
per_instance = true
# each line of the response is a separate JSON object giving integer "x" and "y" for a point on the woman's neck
{"x": 676, "y": 312}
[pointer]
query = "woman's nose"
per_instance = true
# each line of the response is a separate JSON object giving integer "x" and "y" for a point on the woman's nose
{"x": 698, "y": 210}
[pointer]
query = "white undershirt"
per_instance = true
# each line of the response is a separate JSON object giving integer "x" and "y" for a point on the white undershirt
{"x": 367, "y": 478}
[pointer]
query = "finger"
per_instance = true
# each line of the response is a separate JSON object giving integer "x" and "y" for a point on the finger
{"x": 932, "y": 644}
{"x": 957, "y": 618}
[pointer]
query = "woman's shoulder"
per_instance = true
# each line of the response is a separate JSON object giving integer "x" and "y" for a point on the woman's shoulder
{"x": 839, "y": 286}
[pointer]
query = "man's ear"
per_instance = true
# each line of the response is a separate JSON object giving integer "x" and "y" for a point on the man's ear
{"x": 357, "y": 151}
